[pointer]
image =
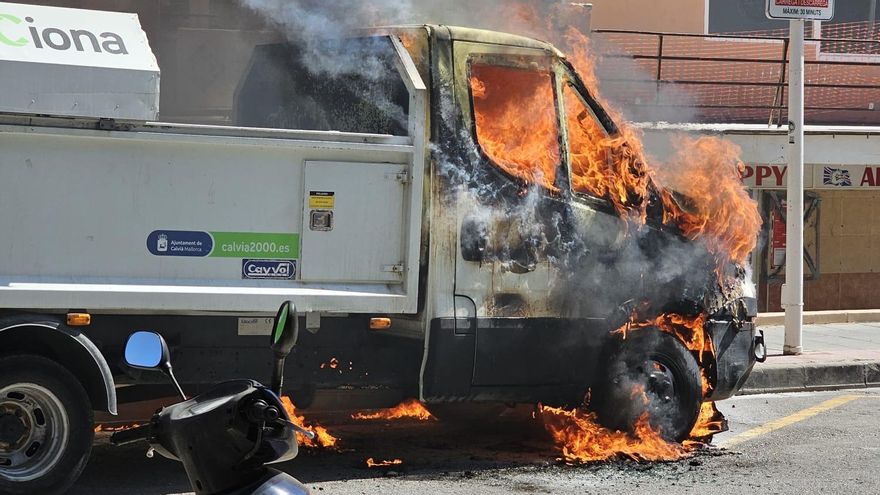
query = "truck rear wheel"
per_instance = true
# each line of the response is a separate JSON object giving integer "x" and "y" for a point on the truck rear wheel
{"x": 650, "y": 372}
{"x": 46, "y": 426}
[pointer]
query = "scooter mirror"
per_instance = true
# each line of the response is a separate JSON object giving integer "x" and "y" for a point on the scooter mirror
{"x": 286, "y": 331}
{"x": 146, "y": 350}
{"x": 284, "y": 337}
{"x": 149, "y": 351}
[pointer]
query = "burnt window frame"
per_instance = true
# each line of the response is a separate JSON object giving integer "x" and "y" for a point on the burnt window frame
{"x": 572, "y": 79}
{"x": 568, "y": 151}
{"x": 525, "y": 63}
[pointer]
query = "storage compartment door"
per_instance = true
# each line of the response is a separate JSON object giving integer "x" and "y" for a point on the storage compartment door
{"x": 353, "y": 222}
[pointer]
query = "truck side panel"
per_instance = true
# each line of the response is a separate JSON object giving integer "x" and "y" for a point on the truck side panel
{"x": 109, "y": 220}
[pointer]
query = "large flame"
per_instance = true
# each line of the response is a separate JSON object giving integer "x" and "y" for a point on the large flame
{"x": 516, "y": 127}
{"x": 525, "y": 148}
{"x": 581, "y": 439}
{"x": 323, "y": 438}
{"x": 706, "y": 171}
{"x": 699, "y": 188}
{"x": 411, "y": 409}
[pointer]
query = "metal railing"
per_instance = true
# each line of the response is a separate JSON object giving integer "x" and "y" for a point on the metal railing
{"x": 779, "y": 62}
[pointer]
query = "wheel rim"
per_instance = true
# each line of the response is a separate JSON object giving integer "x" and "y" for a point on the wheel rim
{"x": 659, "y": 380}
{"x": 34, "y": 430}
{"x": 660, "y": 385}
{"x": 648, "y": 386}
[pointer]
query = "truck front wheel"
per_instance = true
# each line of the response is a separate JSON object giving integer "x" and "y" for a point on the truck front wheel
{"x": 46, "y": 426}
{"x": 650, "y": 372}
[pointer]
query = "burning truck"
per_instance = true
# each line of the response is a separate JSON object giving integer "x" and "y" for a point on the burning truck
{"x": 454, "y": 212}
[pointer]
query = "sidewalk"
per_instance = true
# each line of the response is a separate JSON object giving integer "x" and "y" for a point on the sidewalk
{"x": 837, "y": 355}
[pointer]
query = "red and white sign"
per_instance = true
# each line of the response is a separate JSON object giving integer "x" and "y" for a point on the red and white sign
{"x": 774, "y": 176}
{"x": 815, "y": 10}
{"x": 765, "y": 176}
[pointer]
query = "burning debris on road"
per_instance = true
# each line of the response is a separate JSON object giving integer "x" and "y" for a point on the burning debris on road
{"x": 371, "y": 463}
{"x": 102, "y": 428}
{"x": 323, "y": 438}
{"x": 582, "y": 440}
{"x": 411, "y": 409}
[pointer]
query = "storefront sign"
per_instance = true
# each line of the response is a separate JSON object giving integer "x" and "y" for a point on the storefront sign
{"x": 766, "y": 176}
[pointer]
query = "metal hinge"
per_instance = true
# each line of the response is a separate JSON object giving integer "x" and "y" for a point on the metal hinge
{"x": 401, "y": 177}
{"x": 399, "y": 268}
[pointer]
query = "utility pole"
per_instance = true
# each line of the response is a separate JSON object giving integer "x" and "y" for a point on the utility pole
{"x": 797, "y": 12}
{"x": 793, "y": 290}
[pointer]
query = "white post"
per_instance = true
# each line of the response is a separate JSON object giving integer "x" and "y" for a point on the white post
{"x": 793, "y": 290}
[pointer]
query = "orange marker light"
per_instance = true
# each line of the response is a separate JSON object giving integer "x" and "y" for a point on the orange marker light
{"x": 380, "y": 323}
{"x": 79, "y": 319}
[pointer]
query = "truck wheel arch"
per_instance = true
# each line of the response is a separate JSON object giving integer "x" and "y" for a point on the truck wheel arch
{"x": 68, "y": 347}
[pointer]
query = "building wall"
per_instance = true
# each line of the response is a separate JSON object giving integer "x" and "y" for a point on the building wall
{"x": 849, "y": 238}
{"x": 203, "y": 48}
{"x": 676, "y": 16}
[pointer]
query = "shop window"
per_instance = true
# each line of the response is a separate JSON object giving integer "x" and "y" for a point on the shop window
{"x": 516, "y": 121}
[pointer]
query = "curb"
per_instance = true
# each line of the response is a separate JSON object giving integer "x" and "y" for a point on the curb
{"x": 823, "y": 317}
{"x": 770, "y": 378}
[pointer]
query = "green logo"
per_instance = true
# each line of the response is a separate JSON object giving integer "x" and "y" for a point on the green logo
{"x": 6, "y": 41}
{"x": 255, "y": 245}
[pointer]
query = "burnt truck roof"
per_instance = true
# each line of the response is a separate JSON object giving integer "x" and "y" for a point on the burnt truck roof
{"x": 459, "y": 33}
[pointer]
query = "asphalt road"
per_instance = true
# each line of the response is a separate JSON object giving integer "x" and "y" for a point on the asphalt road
{"x": 827, "y": 442}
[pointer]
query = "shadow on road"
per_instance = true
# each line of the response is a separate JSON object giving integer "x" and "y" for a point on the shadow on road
{"x": 428, "y": 449}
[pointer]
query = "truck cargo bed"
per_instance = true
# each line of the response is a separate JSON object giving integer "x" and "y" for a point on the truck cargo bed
{"x": 182, "y": 218}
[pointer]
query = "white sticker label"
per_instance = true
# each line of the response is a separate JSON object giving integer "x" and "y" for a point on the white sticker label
{"x": 255, "y": 326}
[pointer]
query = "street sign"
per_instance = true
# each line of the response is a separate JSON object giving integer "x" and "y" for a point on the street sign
{"x": 811, "y": 10}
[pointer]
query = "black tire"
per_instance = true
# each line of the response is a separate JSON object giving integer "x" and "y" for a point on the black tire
{"x": 671, "y": 378}
{"x": 36, "y": 395}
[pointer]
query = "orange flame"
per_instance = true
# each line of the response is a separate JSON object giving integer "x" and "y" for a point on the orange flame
{"x": 516, "y": 127}
{"x": 708, "y": 172}
{"x": 699, "y": 189}
{"x": 516, "y": 121}
{"x": 323, "y": 437}
{"x": 333, "y": 364}
{"x": 411, "y": 409}
{"x": 691, "y": 331}
{"x": 709, "y": 423}
{"x": 114, "y": 428}
{"x": 371, "y": 463}
{"x": 582, "y": 440}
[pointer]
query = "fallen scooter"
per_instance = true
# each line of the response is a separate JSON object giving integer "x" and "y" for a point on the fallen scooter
{"x": 227, "y": 436}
